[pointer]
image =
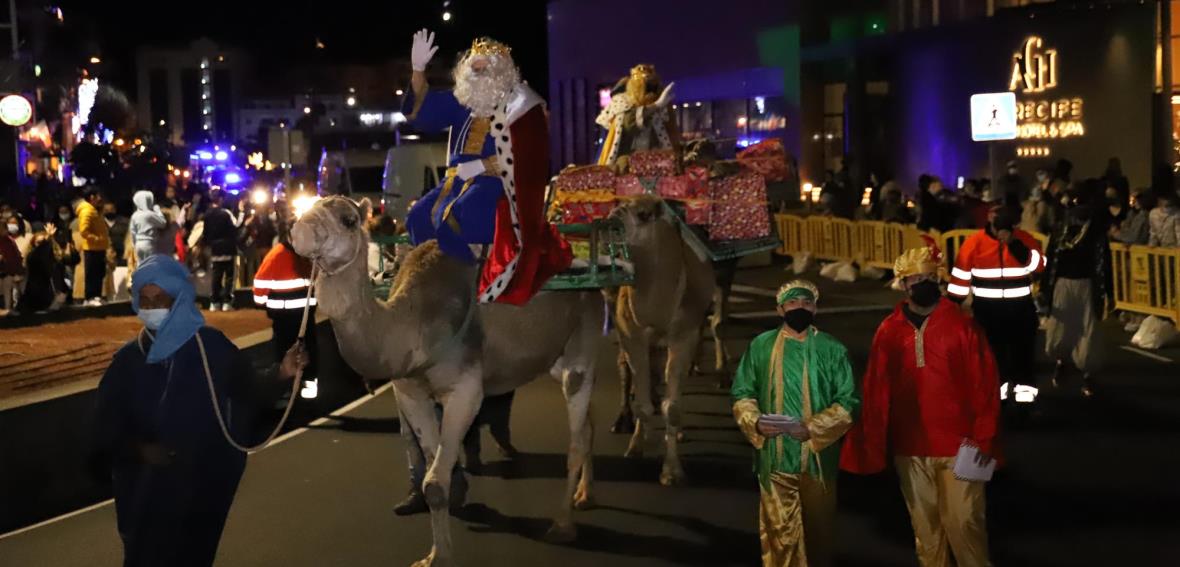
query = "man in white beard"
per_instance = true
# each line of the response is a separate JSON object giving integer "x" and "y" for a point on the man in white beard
{"x": 494, "y": 191}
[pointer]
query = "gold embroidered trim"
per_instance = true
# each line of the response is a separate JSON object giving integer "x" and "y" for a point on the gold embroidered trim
{"x": 920, "y": 343}
{"x": 476, "y": 134}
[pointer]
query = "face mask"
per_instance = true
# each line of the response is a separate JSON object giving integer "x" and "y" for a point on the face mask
{"x": 110, "y": 216}
{"x": 798, "y": 319}
{"x": 925, "y": 293}
{"x": 13, "y": 229}
{"x": 153, "y": 318}
{"x": 64, "y": 216}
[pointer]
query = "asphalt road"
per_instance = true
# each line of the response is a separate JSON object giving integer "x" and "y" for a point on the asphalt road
{"x": 1089, "y": 481}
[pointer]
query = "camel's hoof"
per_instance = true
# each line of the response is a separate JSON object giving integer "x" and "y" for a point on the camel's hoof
{"x": 673, "y": 478}
{"x": 559, "y": 533}
{"x": 433, "y": 560}
{"x": 624, "y": 424}
{"x": 583, "y": 501}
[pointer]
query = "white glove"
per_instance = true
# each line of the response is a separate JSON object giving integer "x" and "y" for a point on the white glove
{"x": 469, "y": 169}
{"x": 423, "y": 50}
{"x": 666, "y": 97}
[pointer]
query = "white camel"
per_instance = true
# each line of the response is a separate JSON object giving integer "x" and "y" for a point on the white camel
{"x": 438, "y": 345}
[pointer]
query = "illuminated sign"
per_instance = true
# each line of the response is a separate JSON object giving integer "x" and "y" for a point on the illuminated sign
{"x": 1034, "y": 68}
{"x": 1034, "y": 71}
{"x": 993, "y": 117}
{"x": 15, "y": 110}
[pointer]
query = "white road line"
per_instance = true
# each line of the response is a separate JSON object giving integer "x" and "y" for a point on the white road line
{"x": 284, "y": 437}
{"x": 753, "y": 290}
{"x": 1150, "y": 355}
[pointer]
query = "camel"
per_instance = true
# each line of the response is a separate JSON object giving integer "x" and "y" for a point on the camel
{"x": 665, "y": 307}
{"x": 438, "y": 345}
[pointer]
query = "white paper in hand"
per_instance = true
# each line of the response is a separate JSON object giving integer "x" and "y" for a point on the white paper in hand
{"x": 779, "y": 419}
{"x": 967, "y": 469}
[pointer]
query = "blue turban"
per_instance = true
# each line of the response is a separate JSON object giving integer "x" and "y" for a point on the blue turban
{"x": 185, "y": 319}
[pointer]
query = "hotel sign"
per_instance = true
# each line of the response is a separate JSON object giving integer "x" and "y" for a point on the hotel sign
{"x": 1042, "y": 117}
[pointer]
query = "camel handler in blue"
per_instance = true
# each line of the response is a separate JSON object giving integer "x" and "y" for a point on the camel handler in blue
{"x": 794, "y": 397}
{"x": 174, "y": 472}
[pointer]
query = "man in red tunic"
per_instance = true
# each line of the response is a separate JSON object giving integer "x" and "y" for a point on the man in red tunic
{"x": 930, "y": 387}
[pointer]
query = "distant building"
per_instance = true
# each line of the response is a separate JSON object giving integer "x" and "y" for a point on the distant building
{"x": 192, "y": 92}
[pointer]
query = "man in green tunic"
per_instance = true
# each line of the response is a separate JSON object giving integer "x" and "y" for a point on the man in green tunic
{"x": 794, "y": 398}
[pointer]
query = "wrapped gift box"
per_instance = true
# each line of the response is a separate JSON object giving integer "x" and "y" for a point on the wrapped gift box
{"x": 767, "y": 158}
{"x": 581, "y": 213}
{"x": 585, "y": 178}
{"x": 673, "y": 187}
{"x": 652, "y": 163}
{"x": 739, "y": 207}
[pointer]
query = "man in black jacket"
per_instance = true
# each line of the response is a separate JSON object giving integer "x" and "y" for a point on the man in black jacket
{"x": 221, "y": 236}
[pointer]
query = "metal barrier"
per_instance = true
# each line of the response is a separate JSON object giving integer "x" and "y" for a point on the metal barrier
{"x": 1146, "y": 280}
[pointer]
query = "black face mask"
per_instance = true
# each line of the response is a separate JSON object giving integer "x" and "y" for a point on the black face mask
{"x": 110, "y": 216}
{"x": 925, "y": 293}
{"x": 798, "y": 319}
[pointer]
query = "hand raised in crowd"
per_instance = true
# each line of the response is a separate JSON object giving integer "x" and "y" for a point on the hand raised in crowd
{"x": 294, "y": 361}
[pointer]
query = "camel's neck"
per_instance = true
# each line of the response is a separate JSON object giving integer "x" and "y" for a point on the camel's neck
{"x": 659, "y": 263}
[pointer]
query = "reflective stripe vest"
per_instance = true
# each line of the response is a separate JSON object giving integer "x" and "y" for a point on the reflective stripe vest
{"x": 986, "y": 268}
{"x": 282, "y": 279}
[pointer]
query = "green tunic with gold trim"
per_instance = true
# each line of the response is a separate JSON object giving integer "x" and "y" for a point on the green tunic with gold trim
{"x": 809, "y": 379}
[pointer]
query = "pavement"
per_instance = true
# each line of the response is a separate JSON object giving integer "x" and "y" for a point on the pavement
{"x": 1088, "y": 481}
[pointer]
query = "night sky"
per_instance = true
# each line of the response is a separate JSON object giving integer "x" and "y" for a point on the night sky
{"x": 282, "y": 32}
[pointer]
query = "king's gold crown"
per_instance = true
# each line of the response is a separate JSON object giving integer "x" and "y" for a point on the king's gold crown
{"x": 489, "y": 46}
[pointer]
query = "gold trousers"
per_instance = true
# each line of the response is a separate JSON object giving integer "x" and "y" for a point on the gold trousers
{"x": 796, "y": 521}
{"x": 948, "y": 514}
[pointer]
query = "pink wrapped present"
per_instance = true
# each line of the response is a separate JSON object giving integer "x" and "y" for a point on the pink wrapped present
{"x": 628, "y": 186}
{"x": 585, "y": 178}
{"x": 673, "y": 187}
{"x": 739, "y": 209}
{"x": 581, "y": 213}
{"x": 652, "y": 163}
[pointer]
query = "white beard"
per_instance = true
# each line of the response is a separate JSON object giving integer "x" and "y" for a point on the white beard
{"x": 485, "y": 92}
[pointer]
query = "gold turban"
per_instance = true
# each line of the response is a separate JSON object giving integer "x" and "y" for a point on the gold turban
{"x": 924, "y": 260}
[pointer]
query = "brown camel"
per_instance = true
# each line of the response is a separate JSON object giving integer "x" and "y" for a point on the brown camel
{"x": 438, "y": 345}
{"x": 665, "y": 307}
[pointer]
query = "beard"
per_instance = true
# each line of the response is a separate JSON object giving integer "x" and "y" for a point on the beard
{"x": 483, "y": 92}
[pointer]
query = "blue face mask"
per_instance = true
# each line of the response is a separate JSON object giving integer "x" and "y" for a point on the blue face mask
{"x": 153, "y": 318}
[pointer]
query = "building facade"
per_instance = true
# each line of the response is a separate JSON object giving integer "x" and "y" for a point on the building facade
{"x": 192, "y": 92}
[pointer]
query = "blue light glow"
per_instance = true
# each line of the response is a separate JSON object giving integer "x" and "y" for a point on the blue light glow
{"x": 222, "y": 156}
{"x": 205, "y": 154}
{"x": 232, "y": 178}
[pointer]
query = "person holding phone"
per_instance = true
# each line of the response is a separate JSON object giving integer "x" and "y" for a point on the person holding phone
{"x": 930, "y": 390}
{"x": 794, "y": 398}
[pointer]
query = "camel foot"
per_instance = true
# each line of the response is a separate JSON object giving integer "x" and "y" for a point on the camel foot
{"x": 673, "y": 477}
{"x": 624, "y": 424}
{"x": 561, "y": 533}
{"x": 434, "y": 560}
{"x": 583, "y": 500}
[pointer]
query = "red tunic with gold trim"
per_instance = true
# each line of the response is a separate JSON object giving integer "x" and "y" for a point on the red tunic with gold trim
{"x": 925, "y": 391}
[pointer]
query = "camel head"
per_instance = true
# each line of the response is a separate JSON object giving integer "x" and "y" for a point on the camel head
{"x": 332, "y": 234}
{"x": 641, "y": 218}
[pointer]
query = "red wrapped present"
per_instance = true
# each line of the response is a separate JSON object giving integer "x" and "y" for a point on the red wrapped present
{"x": 739, "y": 209}
{"x": 652, "y": 163}
{"x": 581, "y": 213}
{"x": 697, "y": 211}
{"x": 585, "y": 178}
{"x": 628, "y": 186}
{"x": 673, "y": 187}
{"x": 767, "y": 158}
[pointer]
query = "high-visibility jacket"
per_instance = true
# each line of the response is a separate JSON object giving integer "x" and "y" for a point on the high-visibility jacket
{"x": 282, "y": 279}
{"x": 989, "y": 269}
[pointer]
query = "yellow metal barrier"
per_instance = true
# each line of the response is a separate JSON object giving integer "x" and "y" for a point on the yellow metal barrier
{"x": 790, "y": 231}
{"x": 1146, "y": 280}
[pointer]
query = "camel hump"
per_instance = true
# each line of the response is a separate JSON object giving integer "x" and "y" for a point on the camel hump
{"x": 428, "y": 270}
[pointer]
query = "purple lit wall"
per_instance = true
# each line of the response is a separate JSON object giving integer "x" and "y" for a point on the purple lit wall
{"x": 1105, "y": 56}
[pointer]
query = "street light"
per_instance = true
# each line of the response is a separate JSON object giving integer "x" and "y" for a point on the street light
{"x": 95, "y": 60}
{"x": 446, "y": 16}
{"x": 351, "y": 101}
{"x": 307, "y": 110}
{"x": 399, "y": 92}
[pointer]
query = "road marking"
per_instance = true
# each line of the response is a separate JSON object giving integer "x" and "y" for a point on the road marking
{"x": 284, "y": 437}
{"x": 753, "y": 290}
{"x": 1150, "y": 355}
{"x": 822, "y": 311}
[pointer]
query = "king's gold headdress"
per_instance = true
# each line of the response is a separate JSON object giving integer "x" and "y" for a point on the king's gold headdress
{"x": 640, "y": 76}
{"x": 489, "y": 46}
{"x": 795, "y": 289}
{"x": 924, "y": 260}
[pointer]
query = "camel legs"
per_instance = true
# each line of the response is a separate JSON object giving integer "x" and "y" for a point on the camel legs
{"x": 680, "y": 358}
{"x": 716, "y": 321}
{"x": 625, "y": 423}
{"x": 576, "y": 385}
{"x": 639, "y": 359}
{"x": 441, "y": 444}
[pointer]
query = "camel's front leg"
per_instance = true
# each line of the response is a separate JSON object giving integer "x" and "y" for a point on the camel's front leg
{"x": 576, "y": 385}
{"x": 416, "y": 404}
{"x": 625, "y": 423}
{"x": 639, "y": 359}
{"x": 680, "y": 354}
{"x": 716, "y": 321}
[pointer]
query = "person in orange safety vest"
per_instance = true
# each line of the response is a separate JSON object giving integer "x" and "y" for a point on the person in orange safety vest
{"x": 997, "y": 265}
{"x": 280, "y": 285}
